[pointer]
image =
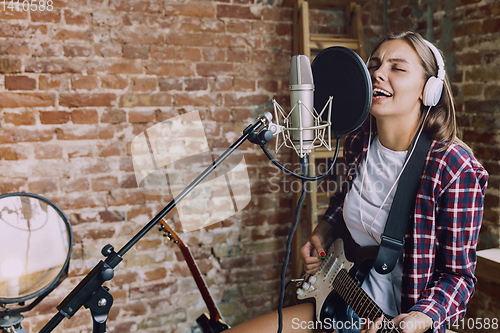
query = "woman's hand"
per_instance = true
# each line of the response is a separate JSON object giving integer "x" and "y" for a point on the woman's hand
{"x": 372, "y": 327}
{"x": 315, "y": 246}
{"x": 413, "y": 322}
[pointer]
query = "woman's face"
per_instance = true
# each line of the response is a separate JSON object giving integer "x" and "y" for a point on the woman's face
{"x": 398, "y": 80}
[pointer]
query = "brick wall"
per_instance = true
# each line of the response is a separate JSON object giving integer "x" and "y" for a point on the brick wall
{"x": 78, "y": 83}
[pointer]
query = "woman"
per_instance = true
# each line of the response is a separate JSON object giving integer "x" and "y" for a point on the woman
{"x": 434, "y": 278}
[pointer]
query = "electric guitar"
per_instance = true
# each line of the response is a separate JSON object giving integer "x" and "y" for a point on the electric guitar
{"x": 339, "y": 277}
{"x": 209, "y": 323}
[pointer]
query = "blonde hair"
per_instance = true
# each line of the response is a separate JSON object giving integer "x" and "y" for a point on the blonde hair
{"x": 440, "y": 124}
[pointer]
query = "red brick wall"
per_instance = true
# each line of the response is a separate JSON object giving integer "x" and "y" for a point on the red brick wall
{"x": 78, "y": 83}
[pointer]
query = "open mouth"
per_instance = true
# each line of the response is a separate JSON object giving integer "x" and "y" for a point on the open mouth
{"x": 377, "y": 92}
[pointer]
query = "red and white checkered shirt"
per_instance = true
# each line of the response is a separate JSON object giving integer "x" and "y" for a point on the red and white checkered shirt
{"x": 439, "y": 256}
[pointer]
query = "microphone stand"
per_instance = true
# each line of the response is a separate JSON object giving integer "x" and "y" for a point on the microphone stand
{"x": 90, "y": 292}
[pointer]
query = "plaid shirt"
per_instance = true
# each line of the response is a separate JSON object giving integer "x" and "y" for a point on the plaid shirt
{"x": 439, "y": 255}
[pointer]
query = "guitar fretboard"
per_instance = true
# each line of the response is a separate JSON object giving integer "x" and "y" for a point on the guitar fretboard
{"x": 359, "y": 301}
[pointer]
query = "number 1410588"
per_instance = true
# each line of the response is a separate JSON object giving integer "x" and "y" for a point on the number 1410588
{"x": 475, "y": 323}
{"x": 27, "y": 5}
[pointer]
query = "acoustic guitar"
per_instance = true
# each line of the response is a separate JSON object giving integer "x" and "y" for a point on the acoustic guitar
{"x": 211, "y": 322}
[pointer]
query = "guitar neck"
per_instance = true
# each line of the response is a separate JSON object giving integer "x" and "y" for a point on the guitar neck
{"x": 200, "y": 283}
{"x": 359, "y": 301}
{"x": 214, "y": 324}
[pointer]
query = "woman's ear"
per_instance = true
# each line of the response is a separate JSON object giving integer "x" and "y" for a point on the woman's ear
{"x": 422, "y": 92}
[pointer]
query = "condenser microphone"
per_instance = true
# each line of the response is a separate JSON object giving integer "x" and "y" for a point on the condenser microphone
{"x": 302, "y": 103}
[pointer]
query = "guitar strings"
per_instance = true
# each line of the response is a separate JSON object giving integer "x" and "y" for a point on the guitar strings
{"x": 361, "y": 303}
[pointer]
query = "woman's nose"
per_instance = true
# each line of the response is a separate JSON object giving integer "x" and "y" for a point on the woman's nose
{"x": 379, "y": 74}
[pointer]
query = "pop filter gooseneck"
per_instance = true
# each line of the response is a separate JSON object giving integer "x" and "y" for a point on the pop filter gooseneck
{"x": 341, "y": 73}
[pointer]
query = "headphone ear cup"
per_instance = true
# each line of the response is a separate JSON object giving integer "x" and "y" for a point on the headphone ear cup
{"x": 432, "y": 91}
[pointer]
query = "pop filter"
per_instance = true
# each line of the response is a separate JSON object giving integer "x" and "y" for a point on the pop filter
{"x": 341, "y": 73}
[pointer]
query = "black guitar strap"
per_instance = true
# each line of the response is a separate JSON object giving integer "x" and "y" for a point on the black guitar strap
{"x": 402, "y": 208}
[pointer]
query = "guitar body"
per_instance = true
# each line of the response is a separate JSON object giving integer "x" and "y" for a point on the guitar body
{"x": 208, "y": 325}
{"x": 343, "y": 255}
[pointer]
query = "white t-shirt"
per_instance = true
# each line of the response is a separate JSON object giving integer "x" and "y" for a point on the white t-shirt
{"x": 365, "y": 218}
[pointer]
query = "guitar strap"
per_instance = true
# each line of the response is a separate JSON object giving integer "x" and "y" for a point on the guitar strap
{"x": 402, "y": 208}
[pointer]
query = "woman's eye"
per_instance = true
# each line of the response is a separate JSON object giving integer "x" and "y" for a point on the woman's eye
{"x": 398, "y": 69}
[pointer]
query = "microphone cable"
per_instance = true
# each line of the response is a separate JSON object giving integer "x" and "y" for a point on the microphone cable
{"x": 304, "y": 163}
{"x": 304, "y": 170}
{"x": 302, "y": 177}
{"x": 289, "y": 246}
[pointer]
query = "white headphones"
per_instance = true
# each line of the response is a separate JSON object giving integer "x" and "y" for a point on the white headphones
{"x": 434, "y": 85}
